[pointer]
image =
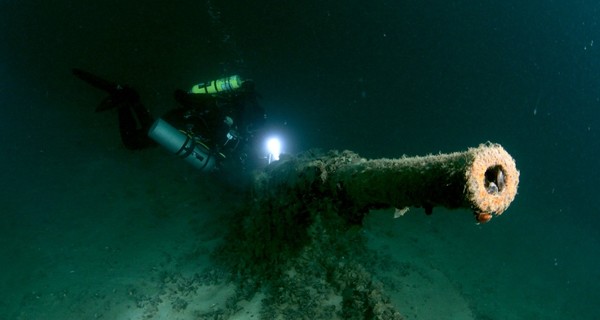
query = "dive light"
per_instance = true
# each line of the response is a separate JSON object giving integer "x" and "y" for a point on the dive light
{"x": 273, "y": 146}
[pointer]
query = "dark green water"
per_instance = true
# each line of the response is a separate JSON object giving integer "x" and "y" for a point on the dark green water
{"x": 382, "y": 78}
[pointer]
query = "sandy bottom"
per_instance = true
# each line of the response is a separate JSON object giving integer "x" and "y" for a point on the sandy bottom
{"x": 122, "y": 237}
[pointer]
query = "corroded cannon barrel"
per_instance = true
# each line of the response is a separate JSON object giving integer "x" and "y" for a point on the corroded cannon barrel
{"x": 297, "y": 229}
{"x": 482, "y": 179}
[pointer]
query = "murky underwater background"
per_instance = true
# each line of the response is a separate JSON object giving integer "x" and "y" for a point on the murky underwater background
{"x": 82, "y": 217}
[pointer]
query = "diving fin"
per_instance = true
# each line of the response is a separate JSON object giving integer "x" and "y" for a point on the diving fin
{"x": 106, "y": 104}
{"x": 119, "y": 95}
{"x": 96, "y": 81}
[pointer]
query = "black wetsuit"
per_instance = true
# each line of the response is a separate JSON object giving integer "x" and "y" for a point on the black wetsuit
{"x": 134, "y": 119}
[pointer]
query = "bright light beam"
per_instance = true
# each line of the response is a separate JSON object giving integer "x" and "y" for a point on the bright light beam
{"x": 274, "y": 149}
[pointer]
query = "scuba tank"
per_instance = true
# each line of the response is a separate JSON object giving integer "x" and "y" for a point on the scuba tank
{"x": 183, "y": 145}
{"x": 222, "y": 85}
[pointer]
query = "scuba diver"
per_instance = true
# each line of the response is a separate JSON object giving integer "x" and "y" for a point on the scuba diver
{"x": 214, "y": 127}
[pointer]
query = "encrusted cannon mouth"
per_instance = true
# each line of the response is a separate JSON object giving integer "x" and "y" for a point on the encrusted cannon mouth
{"x": 494, "y": 181}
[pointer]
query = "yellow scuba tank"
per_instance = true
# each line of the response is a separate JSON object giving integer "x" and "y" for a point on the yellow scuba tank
{"x": 227, "y": 84}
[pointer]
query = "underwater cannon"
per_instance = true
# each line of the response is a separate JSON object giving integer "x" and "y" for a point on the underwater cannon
{"x": 299, "y": 227}
{"x": 483, "y": 180}
{"x": 337, "y": 189}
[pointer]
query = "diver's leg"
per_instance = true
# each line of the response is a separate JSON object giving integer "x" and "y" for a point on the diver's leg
{"x": 134, "y": 122}
{"x": 143, "y": 116}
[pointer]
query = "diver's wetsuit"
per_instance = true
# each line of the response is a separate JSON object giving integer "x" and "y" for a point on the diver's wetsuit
{"x": 204, "y": 116}
{"x": 134, "y": 119}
